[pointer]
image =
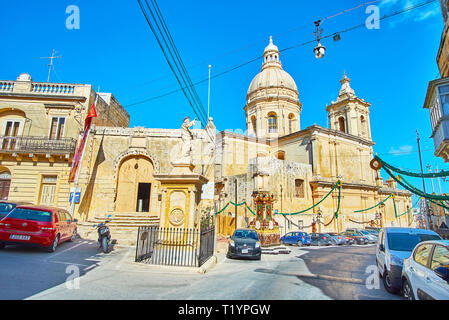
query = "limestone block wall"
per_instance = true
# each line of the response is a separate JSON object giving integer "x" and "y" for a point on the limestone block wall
{"x": 26, "y": 179}
{"x": 108, "y": 150}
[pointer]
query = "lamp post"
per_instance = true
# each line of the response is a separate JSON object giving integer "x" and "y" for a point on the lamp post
{"x": 318, "y": 218}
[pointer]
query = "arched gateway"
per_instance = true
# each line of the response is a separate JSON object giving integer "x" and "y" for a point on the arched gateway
{"x": 135, "y": 184}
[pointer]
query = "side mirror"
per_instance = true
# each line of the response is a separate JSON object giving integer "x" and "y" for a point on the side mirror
{"x": 442, "y": 272}
{"x": 381, "y": 247}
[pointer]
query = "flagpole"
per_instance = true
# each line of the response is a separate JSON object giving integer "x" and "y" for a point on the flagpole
{"x": 72, "y": 203}
{"x": 208, "y": 96}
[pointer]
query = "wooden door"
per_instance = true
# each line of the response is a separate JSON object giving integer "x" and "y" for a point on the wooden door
{"x": 4, "y": 189}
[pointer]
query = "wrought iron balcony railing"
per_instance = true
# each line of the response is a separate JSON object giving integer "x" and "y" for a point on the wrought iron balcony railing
{"x": 37, "y": 145}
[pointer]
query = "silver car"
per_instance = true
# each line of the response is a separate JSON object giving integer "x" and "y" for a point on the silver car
{"x": 396, "y": 244}
{"x": 425, "y": 275}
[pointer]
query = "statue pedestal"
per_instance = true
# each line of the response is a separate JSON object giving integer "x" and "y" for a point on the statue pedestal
{"x": 264, "y": 223}
{"x": 181, "y": 195}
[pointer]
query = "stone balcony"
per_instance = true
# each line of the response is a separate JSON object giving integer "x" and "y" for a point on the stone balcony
{"x": 24, "y": 86}
{"x": 37, "y": 145}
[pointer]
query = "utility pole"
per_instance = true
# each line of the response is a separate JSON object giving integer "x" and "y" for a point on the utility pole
{"x": 426, "y": 207}
{"x": 51, "y": 62}
{"x": 431, "y": 180}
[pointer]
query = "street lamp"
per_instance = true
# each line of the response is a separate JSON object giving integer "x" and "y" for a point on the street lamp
{"x": 319, "y": 50}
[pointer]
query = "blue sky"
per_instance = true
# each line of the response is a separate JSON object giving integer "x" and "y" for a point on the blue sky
{"x": 115, "y": 49}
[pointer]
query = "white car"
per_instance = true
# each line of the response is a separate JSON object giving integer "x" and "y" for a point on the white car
{"x": 426, "y": 273}
{"x": 394, "y": 245}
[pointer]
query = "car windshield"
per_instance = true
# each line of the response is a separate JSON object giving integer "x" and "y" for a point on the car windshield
{"x": 406, "y": 242}
{"x": 30, "y": 214}
{"x": 364, "y": 232}
{"x": 6, "y": 207}
{"x": 246, "y": 234}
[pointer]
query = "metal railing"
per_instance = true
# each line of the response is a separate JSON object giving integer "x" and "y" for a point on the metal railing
{"x": 37, "y": 145}
{"x": 174, "y": 246}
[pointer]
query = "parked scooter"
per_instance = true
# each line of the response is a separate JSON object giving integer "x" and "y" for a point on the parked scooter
{"x": 104, "y": 235}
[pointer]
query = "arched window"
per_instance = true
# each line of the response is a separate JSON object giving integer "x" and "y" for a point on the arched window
{"x": 253, "y": 123}
{"x": 280, "y": 155}
{"x": 272, "y": 123}
{"x": 291, "y": 118}
{"x": 341, "y": 124}
{"x": 363, "y": 125}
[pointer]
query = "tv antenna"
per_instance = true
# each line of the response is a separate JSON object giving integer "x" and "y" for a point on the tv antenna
{"x": 51, "y": 62}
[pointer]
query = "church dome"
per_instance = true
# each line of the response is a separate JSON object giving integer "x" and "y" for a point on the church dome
{"x": 272, "y": 74}
{"x": 272, "y": 77}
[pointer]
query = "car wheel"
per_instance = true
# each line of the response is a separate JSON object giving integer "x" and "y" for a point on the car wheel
{"x": 74, "y": 235}
{"x": 105, "y": 245}
{"x": 407, "y": 291}
{"x": 300, "y": 244}
{"x": 386, "y": 277}
{"x": 52, "y": 247}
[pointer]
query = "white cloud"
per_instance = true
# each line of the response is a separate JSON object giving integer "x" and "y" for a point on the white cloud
{"x": 401, "y": 149}
{"x": 419, "y": 14}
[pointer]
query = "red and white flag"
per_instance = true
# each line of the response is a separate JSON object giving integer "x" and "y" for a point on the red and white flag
{"x": 79, "y": 151}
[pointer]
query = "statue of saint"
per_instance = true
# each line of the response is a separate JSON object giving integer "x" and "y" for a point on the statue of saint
{"x": 187, "y": 137}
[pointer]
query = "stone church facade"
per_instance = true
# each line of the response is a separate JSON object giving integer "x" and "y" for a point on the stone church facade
{"x": 136, "y": 175}
{"x": 302, "y": 165}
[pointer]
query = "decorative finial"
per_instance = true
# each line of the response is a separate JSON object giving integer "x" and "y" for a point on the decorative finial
{"x": 271, "y": 39}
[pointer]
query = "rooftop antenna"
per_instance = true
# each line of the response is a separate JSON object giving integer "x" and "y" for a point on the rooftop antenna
{"x": 51, "y": 62}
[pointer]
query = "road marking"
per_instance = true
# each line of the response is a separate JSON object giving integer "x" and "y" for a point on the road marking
{"x": 249, "y": 286}
{"x": 123, "y": 259}
{"x": 61, "y": 252}
{"x": 69, "y": 263}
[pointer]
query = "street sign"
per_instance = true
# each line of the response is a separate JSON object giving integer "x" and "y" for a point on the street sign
{"x": 77, "y": 195}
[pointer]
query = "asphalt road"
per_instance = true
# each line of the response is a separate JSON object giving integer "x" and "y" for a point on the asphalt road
{"x": 344, "y": 273}
{"x": 304, "y": 274}
{"x": 25, "y": 271}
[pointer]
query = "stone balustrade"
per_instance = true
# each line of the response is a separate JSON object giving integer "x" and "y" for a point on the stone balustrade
{"x": 53, "y": 88}
{"x": 6, "y": 86}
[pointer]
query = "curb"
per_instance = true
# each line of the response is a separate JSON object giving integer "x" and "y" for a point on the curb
{"x": 209, "y": 264}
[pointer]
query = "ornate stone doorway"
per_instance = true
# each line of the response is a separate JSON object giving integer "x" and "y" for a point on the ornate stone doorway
{"x": 134, "y": 184}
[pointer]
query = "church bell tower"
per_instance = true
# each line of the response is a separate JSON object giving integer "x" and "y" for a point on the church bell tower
{"x": 349, "y": 113}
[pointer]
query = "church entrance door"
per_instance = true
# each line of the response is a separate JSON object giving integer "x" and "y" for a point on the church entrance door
{"x": 143, "y": 197}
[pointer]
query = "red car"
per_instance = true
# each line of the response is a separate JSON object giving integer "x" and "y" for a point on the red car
{"x": 37, "y": 225}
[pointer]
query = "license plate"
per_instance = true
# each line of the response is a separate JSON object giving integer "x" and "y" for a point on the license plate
{"x": 19, "y": 237}
{"x": 244, "y": 250}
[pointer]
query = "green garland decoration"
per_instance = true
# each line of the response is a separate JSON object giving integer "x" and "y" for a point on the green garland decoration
{"x": 337, "y": 184}
{"x": 238, "y": 204}
{"x": 442, "y": 173}
{"x": 439, "y": 204}
{"x": 338, "y": 206}
{"x": 406, "y": 212}
{"x": 395, "y": 209}
{"x": 376, "y": 204}
{"x": 250, "y": 210}
{"x": 217, "y": 213}
{"x": 415, "y": 190}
